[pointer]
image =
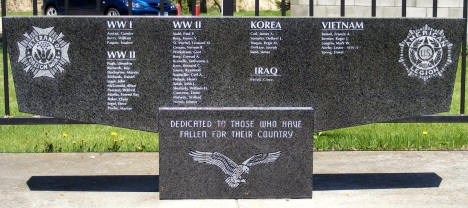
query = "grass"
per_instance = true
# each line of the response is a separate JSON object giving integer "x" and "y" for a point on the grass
{"x": 401, "y": 136}
{"x": 28, "y": 13}
{"x": 79, "y": 138}
{"x": 100, "y": 138}
{"x": 75, "y": 138}
{"x": 262, "y": 13}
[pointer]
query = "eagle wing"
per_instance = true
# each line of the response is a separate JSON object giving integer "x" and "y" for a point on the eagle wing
{"x": 217, "y": 159}
{"x": 262, "y": 158}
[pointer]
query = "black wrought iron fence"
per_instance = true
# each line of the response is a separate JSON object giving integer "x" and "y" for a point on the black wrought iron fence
{"x": 228, "y": 10}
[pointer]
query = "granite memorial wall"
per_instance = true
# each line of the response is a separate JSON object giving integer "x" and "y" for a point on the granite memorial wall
{"x": 119, "y": 70}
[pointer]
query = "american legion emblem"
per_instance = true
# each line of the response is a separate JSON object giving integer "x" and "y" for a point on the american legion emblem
{"x": 425, "y": 53}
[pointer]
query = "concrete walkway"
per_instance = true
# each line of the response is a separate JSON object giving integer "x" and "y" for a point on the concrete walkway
{"x": 341, "y": 179}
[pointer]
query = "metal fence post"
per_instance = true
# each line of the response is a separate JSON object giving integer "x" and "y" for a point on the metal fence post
{"x": 194, "y": 6}
{"x": 257, "y": 7}
{"x": 228, "y": 8}
{"x": 130, "y": 6}
{"x": 5, "y": 62}
{"x": 34, "y": 7}
{"x": 311, "y": 8}
{"x": 403, "y": 8}
{"x": 374, "y": 8}
{"x": 463, "y": 69}
{"x": 67, "y": 7}
{"x": 342, "y": 8}
{"x": 434, "y": 8}
{"x": 283, "y": 7}
{"x": 161, "y": 7}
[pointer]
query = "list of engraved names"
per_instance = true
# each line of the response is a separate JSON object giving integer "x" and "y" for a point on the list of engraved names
{"x": 188, "y": 62}
{"x": 336, "y": 37}
{"x": 265, "y": 36}
{"x": 120, "y": 64}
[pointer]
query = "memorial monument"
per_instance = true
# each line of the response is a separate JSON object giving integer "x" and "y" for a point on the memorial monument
{"x": 179, "y": 76}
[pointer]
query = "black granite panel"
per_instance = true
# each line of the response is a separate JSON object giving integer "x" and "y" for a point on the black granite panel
{"x": 233, "y": 62}
{"x": 192, "y": 167}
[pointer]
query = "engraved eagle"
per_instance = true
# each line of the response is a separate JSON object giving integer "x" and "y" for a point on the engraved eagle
{"x": 230, "y": 168}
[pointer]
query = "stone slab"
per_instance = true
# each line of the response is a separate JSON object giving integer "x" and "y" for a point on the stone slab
{"x": 210, "y": 153}
{"x": 366, "y": 80}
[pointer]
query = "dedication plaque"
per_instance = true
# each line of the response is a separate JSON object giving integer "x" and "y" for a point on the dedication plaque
{"x": 235, "y": 153}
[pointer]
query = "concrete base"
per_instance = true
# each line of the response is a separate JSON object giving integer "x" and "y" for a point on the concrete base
{"x": 341, "y": 179}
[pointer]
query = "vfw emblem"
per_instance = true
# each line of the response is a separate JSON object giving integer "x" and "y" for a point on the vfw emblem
{"x": 425, "y": 53}
{"x": 43, "y": 52}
